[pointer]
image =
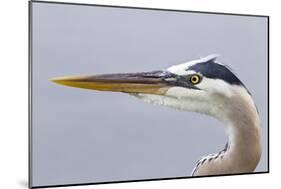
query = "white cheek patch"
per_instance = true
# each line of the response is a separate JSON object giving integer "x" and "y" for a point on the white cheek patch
{"x": 181, "y": 93}
{"x": 195, "y": 101}
{"x": 177, "y": 92}
{"x": 215, "y": 86}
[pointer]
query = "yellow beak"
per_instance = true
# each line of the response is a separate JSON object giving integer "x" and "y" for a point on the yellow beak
{"x": 144, "y": 82}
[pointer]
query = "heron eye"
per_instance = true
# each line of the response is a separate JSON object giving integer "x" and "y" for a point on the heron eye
{"x": 195, "y": 79}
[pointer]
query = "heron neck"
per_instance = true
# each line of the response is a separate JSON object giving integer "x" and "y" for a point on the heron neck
{"x": 243, "y": 152}
{"x": 244, "y": 136}
{"x": 244, "y": 149}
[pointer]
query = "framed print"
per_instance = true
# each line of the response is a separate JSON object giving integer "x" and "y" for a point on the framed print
{"x": 120, "y": 94}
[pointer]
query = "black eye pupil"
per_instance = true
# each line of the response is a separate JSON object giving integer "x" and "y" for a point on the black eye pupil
{"x": 195, "y": 79}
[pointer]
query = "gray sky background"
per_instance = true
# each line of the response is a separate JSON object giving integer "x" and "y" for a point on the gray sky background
{"x": 88, "y": 136}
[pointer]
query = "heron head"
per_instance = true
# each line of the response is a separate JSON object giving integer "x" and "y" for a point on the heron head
{"x": 204, "y": 78}
{"x": 193, "y": 86}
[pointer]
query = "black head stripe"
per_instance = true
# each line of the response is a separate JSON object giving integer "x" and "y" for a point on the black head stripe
{"x": 214, "y": 70}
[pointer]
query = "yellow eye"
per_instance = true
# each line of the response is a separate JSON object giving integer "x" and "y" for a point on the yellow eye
{"x": 195, "y": 79}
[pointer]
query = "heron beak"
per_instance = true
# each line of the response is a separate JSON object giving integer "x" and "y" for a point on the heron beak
{"x": 144, "y": 82}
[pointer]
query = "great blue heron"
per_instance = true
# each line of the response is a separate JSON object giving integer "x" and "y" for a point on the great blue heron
{"x": 204, "y": 86}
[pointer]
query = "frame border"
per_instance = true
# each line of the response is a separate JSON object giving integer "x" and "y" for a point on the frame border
{"x": 30, "y": 86}
{"x": 30, "y": 52}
